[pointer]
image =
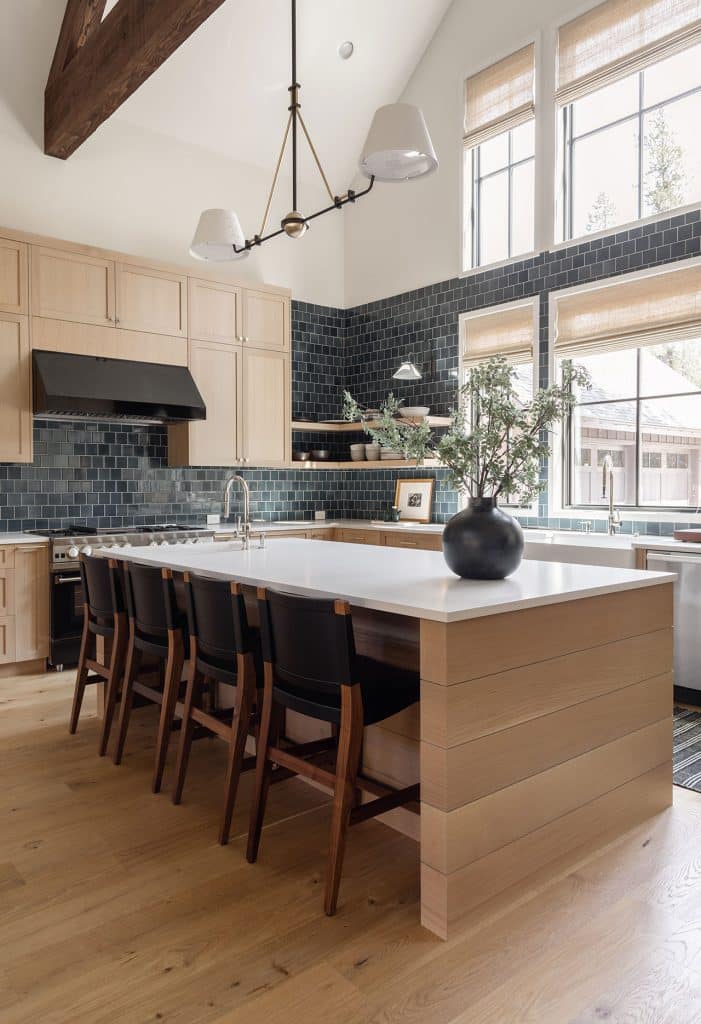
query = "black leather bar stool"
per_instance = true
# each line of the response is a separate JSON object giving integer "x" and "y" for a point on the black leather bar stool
{"x": 157, "y": 629}
{"x": 104, "y": 616}
{"x": 311, "y": 666}
{"x": 223, "y": 649}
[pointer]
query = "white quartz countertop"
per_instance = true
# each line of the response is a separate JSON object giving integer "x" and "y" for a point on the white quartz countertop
{"x": 22, "y": 538}
{"x": 414, "y": 583}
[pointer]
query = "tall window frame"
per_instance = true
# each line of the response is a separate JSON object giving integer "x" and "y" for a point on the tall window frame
{"x": 628, "y": 316}
{"x": 509, "y": 329}
{"x": 611, "y": 42}
{"x": 570, "y": 137}
{"x": 497, "y": 100}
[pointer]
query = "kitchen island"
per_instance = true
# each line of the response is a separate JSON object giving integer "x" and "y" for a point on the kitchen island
{"x": 545, "y": 717}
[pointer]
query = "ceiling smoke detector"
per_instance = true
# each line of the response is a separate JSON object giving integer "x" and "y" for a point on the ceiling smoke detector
{"x": 345, "y": 50}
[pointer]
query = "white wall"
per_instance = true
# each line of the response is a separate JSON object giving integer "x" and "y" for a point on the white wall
{"x": 406, "y": 236}
{"x": 130, "y": 189}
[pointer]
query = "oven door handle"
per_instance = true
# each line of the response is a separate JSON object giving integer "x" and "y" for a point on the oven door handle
{"x": 67, "y": 579}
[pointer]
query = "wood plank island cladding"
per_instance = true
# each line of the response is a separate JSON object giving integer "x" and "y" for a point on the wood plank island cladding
{"x": 546, "y": 700}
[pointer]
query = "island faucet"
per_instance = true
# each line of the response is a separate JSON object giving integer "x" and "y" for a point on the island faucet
{"x": 614, "y": 517}
{"x": 237, "y": 479}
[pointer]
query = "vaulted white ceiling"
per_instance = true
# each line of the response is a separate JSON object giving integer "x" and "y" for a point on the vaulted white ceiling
{"x": 225, "y": 89}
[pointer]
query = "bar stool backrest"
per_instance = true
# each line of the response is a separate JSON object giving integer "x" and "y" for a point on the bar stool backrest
{"x": 102, "y": 587}
{"x": 308, "y": 641}
{"x": 151, "y": 602}
{"x": 216, "y": 615}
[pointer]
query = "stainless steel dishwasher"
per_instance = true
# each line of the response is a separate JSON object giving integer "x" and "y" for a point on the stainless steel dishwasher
{"x": 687, "y": 613}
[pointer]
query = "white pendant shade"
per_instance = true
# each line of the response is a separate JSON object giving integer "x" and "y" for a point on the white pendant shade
{"x": 217, "y": 233}
{"x": 398, "y": 146}
{"x": 407, "y": 371}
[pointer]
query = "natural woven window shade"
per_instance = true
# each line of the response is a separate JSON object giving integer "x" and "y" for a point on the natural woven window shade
{"x": 500, "y": 97}
{"x": 629, "y": 313}
{"x": 619, "y": 37}
{"x": 508, "y": 330}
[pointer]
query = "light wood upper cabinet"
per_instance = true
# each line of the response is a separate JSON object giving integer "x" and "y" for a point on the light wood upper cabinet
{"x": 13, "y": 276}
{"x": 151, "y": 300}
{"x": 266, "y": 320}
{"x": 31, "y": 602}
{"x": 215, "y": 441}
{"x": 266, "y": 419}
{"x": 215, "y": 312}
{"x": 72, "y": 286}
{"x": 15, "y": 390}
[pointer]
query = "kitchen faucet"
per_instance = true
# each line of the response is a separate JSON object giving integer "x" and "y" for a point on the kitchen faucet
{"x": 614, "y": 518}
{"x": 236, "y": 479}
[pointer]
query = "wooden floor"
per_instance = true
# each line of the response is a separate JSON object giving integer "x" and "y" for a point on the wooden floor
{"x": 116, "y": 906}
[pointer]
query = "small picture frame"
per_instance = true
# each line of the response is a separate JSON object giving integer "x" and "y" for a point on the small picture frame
{"x": 414, "y": 499}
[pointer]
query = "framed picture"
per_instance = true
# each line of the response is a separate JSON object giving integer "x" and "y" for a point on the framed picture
{"x": 414, "y": 499}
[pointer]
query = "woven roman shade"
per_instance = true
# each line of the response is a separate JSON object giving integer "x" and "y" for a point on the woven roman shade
{"x": 619, "y": 37}
{"x": 508, "y": 330}
{"x": 500, "y": 97}
{"x": 630, "y": 312}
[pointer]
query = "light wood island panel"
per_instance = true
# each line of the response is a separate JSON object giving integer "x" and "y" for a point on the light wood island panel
{"x": 582, "y": 742}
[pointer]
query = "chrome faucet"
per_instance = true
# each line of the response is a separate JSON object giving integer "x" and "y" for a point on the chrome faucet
{"x": 614, "y": 517}
{"x": 236, "y": 479}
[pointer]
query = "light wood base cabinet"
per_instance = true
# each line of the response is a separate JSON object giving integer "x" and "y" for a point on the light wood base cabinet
{"x": 24, "y": 603}
{"x": 31, "y": 602}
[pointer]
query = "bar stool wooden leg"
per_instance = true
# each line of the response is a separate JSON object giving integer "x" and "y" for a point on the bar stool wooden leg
{"x": 347, "y": 766}
{"x": 81, "y": 680}
{"x": 269, "y": 732}
{"x": 115, "y": 673}
{"x": 173, "y": 675}
{"x": 193, "y": 698}
{"x": 245, "y": 698}
{"x": 131, "y": 671}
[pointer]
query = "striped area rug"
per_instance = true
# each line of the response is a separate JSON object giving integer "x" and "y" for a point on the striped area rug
{"x": 686, "y": 757}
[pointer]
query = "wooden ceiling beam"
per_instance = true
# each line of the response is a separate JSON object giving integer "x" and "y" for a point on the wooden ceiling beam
{"x": 102, "y": 63}
{"x": 80, "y": 19}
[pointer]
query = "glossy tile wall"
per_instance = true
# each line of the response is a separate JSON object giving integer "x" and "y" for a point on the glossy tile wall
{"x": 111, "y": 474}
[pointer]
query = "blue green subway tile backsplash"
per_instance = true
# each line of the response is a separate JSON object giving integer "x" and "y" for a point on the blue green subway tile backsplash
{"x": 111, "y": 474}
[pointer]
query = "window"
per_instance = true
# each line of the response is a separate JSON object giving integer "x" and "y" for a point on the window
{"x": 629, "y": 89}
{"x": 510, "y": 330}
{"x": 632, "y": 149}
{"x": 499, "y": 160}
{"x": 639, "y": 336}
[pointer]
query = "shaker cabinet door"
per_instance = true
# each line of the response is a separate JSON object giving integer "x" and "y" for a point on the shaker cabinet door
{"x": 217, "y": 373}
{"x": 266, "y": 320}
{"x": 71, "y": 286}
{"x": 266, "y": 419}
{"x": 154, "y": 301}
{"x": 15, "y": 390}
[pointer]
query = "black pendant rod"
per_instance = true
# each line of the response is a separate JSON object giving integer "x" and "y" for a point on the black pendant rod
{"x": 294, "y": 93}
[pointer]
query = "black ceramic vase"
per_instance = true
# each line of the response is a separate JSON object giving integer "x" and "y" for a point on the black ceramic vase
{"x": 482, "y": 542}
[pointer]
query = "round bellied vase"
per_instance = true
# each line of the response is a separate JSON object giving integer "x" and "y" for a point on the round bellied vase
{"x": 482, "y": 542}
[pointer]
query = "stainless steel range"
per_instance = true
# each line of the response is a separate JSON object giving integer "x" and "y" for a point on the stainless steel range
{"x": 66, "y": 592}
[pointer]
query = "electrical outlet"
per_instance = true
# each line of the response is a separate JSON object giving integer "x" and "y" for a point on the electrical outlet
{"x": 214, "y": 519}
{"x": 320, "y": 515}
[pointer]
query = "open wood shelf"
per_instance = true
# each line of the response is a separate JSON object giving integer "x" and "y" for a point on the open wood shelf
{"x": 357, "y": 427}
{"x": 374, "y": 464}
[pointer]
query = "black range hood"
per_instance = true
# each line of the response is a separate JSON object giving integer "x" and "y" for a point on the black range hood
{"x": 71, "y": 385}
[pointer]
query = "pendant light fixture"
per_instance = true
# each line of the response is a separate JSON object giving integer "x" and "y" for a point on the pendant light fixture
{"x": 398, "y": 148}
{"x": 408, "y": 371}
